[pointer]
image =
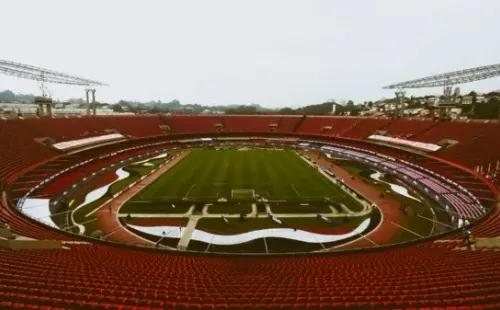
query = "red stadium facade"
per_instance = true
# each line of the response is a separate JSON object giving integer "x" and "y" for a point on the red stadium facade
{"x": 94, "y": 274}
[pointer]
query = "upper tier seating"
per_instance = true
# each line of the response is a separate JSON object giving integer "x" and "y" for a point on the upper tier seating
{"x": 21, "y": 150}
{"x": 477, "y": 142}
{"x": 321, "y": 125}
{"x": 405, "y": 129}
{"x": 250, "y": 123}
{"x": 192, "y": 124}
{"x": 364, "y": 127}
{"x": 135, "y": 126}
{"x": 473, "y": 137}
{"x": 63, "y": 129}
{"x": 288, "y": 123}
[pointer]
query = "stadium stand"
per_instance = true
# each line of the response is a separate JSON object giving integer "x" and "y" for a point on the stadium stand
{"x": 406, "y": 130}
{"x": 192, "y": 124}
{"x": 250, "y": 123}
{"x": 97, "y": 275}
{"x": 364, "y": 127}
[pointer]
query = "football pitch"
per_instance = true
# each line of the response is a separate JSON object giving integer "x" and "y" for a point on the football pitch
{"x": 208, "y": 175}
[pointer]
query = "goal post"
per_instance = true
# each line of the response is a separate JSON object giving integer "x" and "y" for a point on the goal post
{"x": 242, "y": 194}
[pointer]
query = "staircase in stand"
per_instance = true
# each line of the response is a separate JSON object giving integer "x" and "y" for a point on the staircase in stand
{"x": 297, "y": 126}
{"x": 278, "y": 123}
{"x": 344, "y": 131}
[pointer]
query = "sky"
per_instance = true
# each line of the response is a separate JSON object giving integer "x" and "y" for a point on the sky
{"x": 274, "y": 53}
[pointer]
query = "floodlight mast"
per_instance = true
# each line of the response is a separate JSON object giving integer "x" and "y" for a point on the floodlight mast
{"x": 448, "y": 80}
{"x": 44, "y": 76}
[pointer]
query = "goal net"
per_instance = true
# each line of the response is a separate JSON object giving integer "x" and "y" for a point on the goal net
{"x": 242, "y": 194}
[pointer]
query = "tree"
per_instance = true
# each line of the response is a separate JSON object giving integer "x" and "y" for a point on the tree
{"x": 159, "y": 108}
{"x": 317, "y": 109}
{"x": 125, "y": 106}
{"x": 350, "y": 103}
{"x": 487, "y": 110}
{"x": 287, "y": 111}
{"x": 117, "y": 108}
{"x": 493, "y": 94}
{"x": 174, "y": 103}
{"x": 242, "y": 110}
{"x": 9, "y": 96}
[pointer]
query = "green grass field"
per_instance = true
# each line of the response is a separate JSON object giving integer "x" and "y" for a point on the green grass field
{"x": 207, "y": 175}
{"x": 231, "y": 209}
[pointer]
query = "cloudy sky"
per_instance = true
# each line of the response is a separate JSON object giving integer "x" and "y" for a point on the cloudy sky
{"x": 274, "y": 53}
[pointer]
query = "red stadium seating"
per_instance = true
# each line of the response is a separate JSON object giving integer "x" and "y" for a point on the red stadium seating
{"x": 192, "y": 124}
{"x": 408, "y": 129}
{"x": 102, "y": 276}
{"x": 363, "y": 127}
{"x": 97, "y": 276}
{"x": 139, "y": 127}
{"x": 288, "y": 123}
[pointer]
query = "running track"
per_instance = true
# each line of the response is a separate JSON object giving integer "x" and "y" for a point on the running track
{"x": 387, "y": 205}
{"x": 108, "y": 220}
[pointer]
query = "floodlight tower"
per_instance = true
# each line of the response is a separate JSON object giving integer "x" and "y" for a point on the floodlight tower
{"x": 400, "y": 102}
{"x": 90, "y": 102}
{"x": 448, "y": 80}
{"x": 44, "y": 76}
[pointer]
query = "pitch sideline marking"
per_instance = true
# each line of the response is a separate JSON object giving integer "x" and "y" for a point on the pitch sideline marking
{"x": 410, "y": 231}
{"x": 113, "y": 232}
{"x": 435, "y": 222}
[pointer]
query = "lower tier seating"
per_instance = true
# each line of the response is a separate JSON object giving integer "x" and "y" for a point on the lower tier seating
{"x": 98, "y": 277}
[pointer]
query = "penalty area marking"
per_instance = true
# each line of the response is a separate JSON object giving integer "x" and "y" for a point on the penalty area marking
{"x": 295, "y": 190}
{"x": 189, "y": 191}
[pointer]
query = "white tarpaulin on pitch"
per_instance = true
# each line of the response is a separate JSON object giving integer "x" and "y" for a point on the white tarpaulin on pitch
{"x": 286, "y": 233}
{"x": 38, "y": 209}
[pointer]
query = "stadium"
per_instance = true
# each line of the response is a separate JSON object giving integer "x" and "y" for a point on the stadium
{"x": 213, "y": 212}
{"x": 248, "y": 211}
